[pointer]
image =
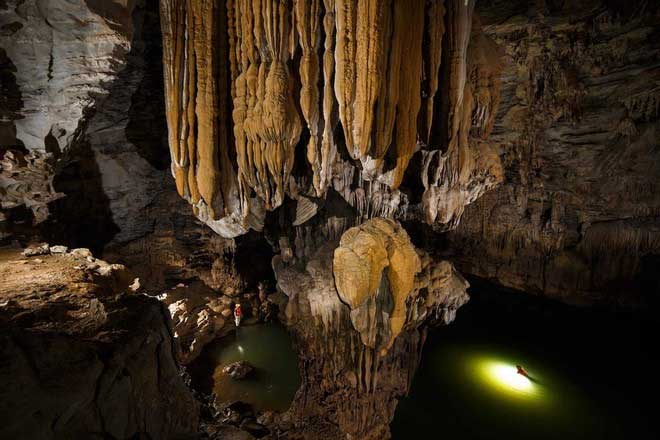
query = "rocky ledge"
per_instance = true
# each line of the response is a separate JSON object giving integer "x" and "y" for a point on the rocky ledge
{"x": 84, "y": 356}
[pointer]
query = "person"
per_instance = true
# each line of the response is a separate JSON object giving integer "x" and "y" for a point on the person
{"x": 238, "y": 314}
{"x": 262, "y": 292}
{"x": 522, "y": 371}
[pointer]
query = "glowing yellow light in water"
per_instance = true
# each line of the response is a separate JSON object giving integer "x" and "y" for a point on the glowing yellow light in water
{"x": 509, "y": 376}
{"x": 504, "y": 378}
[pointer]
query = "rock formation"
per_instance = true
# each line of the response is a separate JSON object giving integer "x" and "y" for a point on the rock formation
{"x": 81, "y": 353}
{"x": 578, "y": 217}
{"x": 198, "y": 316}
{"x": 260, "y": 118}
{"x": 360, "y": 138}
{"x": 357, "y": 309}
{"x": 304, "y": 119}
{"x": 57, "y": 56}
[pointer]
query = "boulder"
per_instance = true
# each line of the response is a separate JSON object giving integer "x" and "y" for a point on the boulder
{"x": 238, "y": 370}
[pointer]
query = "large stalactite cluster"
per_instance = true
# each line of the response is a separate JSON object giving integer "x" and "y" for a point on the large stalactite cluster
{"x": 269, "y": 100}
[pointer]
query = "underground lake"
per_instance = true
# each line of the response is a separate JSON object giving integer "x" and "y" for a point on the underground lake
{"x": 267, "y": 347}
{"x": 593, "y": 374}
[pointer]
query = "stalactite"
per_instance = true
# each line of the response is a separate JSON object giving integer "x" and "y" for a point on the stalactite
{"x": 458, "y": 27}
{"x": 412, "y": 28}
{"x": 266, "y": 122}
{"x": 198, "y": 86}
{"x": 372, "y": 34}
{"x": 345, "y": 47}
{"x": 384, "y": 64}
{"x": 434, "y": 29}
{"x": 174, "y": 28}
{"x": 328, "y": 147}
{"x": 307, "y": 23}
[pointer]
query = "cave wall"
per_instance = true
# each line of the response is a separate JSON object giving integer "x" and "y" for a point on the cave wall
{"x": 58, "y": 57}
{"x": 577, "y": 217}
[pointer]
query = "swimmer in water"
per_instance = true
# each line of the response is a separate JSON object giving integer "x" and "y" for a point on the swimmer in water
{"x": 522, "y": 372}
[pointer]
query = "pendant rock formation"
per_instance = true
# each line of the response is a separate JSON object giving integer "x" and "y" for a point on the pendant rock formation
{"x": 261, "y": 110}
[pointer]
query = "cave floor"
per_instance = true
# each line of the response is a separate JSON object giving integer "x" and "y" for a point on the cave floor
{"x": 44, "y": 291}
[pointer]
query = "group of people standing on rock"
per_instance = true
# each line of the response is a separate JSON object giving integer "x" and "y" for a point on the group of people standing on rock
{"x": 261, "y": 307}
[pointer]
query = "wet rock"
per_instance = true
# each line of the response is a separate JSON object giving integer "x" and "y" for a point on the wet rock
{"x": 238, "y": 370}
{"x": 266, "y": 418}
{"x": 232, "y": 412}
{"x": 268, "y": 311}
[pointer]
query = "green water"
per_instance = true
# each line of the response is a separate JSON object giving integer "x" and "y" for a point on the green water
{"x": 594, "y": 375}
{"x": 268, "y": 348}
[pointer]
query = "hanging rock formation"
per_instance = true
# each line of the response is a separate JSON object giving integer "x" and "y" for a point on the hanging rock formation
{"x": 358, "y": 309}
{"x": 374, "y": 269}
{"x": 260, "y": 110}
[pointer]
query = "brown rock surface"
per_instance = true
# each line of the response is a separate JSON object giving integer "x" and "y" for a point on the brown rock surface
{"x": 78, "y": 355}
{"x": 197, "y": 317}
{"x": 372, "y": 257}
{"x": 578, "y": 215}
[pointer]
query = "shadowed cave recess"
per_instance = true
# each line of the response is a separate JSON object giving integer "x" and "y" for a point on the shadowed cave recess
{"x": 328, "y": 219}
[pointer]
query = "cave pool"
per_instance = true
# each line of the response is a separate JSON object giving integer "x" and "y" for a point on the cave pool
{"x": 268, "y": 348}
{"x": 594, "y": 374}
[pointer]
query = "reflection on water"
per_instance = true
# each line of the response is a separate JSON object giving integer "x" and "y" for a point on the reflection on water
{"x": 505, "y": 377}
{"x": 268, "y": 348}
{"x": 591, "y": 376}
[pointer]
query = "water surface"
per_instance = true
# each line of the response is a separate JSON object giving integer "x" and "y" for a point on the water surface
{"x": 268, "y": 348}
{"x": 594, "y": 374}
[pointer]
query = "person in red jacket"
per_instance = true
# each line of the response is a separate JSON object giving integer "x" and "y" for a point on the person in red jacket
{"x": 522, "y": 371}
{"x": 238, "y": 314}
